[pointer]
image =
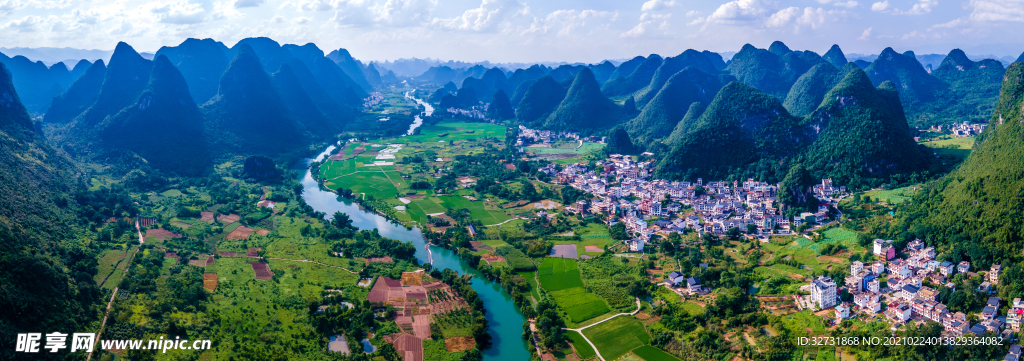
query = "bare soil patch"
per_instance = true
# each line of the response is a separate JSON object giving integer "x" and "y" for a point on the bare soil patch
{"x": 544, "y": 204}
{"x": 251, "y": 252}
{"x": 262, "y": 232}
{"x": 491, "y": 257}
{"x": 593, "y": 249}
{"x": 229, "y": 218}
{"x": 242, "y": 232}
{"x": 479, "y": 246}
{"x": 412, "y": 279}
{"x": 456, "y": 344}
{"x": 210, "y": 281}
{"x": 206, "y": 217}
{"x": 379, "y": 259}
{"x": 227, "y": 254}
{"x": 262, "y": 271}
{"x": 161, "y": 234}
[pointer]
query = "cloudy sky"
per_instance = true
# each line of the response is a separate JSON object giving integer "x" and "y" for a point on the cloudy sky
{"x": 523, "y": 30}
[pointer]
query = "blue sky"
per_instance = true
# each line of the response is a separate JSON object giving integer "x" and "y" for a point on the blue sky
{"x": 523, "y": 30}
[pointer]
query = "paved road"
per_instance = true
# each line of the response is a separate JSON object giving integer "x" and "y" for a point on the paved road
{"x": 580, "y": 330}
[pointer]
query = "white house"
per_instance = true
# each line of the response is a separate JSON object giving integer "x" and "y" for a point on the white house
{"x": 823, "y": 292}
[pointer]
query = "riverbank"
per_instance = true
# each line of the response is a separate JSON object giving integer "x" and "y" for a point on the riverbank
{"x": 504, "y": 318}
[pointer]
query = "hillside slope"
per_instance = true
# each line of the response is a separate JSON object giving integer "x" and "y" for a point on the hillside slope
{"x": 977, "y": 211}
{"x": 657, "y": 119}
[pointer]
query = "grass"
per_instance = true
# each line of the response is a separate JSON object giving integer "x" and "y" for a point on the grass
{"x": 558, "y": 274}
{"x": 579, "y": 305}
{"x": 476, "y": 209}
{"x": 651, "y": 353}
{"x": 618, "y": 336}
{"x": 532, "y": 281}
{"x": 374, "y": 184}
{"x": 797, "y": 323}
{"x": 894, "y": 196}
{"x": 569, "y": 148}
{"x": 456, "y": 131}
{"x": 255, "y": 307}
{"x": 108, "y": 260}
{"x": 692, "y": 308}
{"x": 583, "y": 348}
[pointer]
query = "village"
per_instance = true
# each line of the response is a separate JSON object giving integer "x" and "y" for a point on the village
{"x": 891, "y": 288}
{"x": 624, "y": 194}
{"x": 898, "y": 288}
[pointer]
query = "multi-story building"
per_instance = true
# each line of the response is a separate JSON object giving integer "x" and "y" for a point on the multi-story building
{"x": 1015, "y": 314}
{"x": 823, "y": 292}
{"x": 993, "y": 274}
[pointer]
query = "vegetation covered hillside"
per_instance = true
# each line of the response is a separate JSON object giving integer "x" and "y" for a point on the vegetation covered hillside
{"x": 835, "y": 56}
{"x": 974, "y": 84}
{"x": 248, "y": 114}
{"x": 201, "y": 62}
{"x": 671, "y": 66}
{"x": 36, "y": 83}
{"x": 772, "y": 72}
{"x": 79, "y": 96}
{"x": 46, "y": 272}
{"x": 164, "y": 125}
{"x": 624, "y": 84}
{"x": 976, "y": 211}
{"x": 539, "y": 100}
{"x": 126, "y": 76}
{"x": 920, "y": 93}
{"x": 809, "y": 90}
{"x": 666, "y": 109}
{"x": 861, "y": 133}
{"x": 741, "y": 126}
{"x": 584, "y": 107}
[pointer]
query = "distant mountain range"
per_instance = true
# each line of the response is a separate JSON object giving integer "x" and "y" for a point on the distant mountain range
{"x": 664, "y": 104}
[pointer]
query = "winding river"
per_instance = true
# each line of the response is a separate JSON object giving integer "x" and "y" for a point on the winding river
{"x": 418, "y": 121}
{"x": 505, "y": 320}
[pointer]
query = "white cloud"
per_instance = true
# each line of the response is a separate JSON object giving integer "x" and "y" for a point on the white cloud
{"x": 248, "y": 3}
{"x": 865, "y": 35}
{"x": 783, "y": 17}
{"x": 692, "y": 13}
{"x": 488, "y": 17}
{"x": 809, "y": 17}
{"x": 920, "y": 8}
{"x": 739, "y": 11}
{"x": 840, "y": 3}
{"x": 404, "y": 12}
{"x": 656, "y": 5}
{"x": 24, "y": 25}
{"x": 655, "y": 15}
{"x": 913, "y": 35}
{"x": 178, "y": 13}
{"x": 998, "y": 10}
{"x": 8, "y": 7}
{"x": 568, "y": 22}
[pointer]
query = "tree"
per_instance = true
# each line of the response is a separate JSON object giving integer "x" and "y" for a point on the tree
{"x": 751, "y": 228}
{"x": 618, "y": 231}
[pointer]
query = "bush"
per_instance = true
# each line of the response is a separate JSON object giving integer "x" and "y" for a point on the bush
{"x": 516, "y": 259}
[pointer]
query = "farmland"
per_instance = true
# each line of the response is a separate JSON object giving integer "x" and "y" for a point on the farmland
{"x": 583, "y": 348}
{"x": 558, "y": 274}
{"x": 618, "y": 336}
{"x": 651, "y": 353}
{"x": 578, "y": 304}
